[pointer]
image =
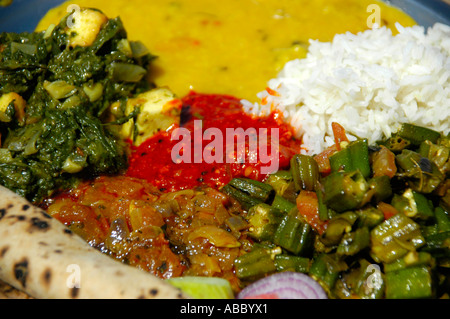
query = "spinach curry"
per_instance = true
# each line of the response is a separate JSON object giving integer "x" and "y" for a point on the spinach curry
{"x": 56, "y": 87}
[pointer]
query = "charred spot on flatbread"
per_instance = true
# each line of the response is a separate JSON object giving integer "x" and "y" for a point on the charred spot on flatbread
{"x": 3, "y": 251}
{"x": 2, "y": 213}
{"x": 39, "y": 224}
{"x": 74, "y": 292}
{"x": 47, "y": 277}
{"x": 44, "y": 214}
{"x": 21, "y": 271}
{"x": 18, "y": 217}
{"x": 153, "y": 292}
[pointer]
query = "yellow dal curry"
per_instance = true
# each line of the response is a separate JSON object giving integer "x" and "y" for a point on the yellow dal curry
{"x": 233, "y": 46}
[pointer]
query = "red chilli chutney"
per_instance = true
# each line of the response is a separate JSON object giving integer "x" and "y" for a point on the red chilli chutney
{"x": 152, "y": 160}
{"x": 169, "y": 218}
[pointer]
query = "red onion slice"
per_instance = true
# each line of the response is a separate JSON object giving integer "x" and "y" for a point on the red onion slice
{"x": 284, "y": 285}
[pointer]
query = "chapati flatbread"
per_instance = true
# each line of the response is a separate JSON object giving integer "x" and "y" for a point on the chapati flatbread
{"x": 44, "y": 259}
{"x": 9, "y": 292}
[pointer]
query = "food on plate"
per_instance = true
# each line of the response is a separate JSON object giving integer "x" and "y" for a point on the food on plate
{"x": 209, "y": 195}
{"x": 360, "y": 231}
{"x": 204, "y": 287}
{"x": 368, "y": 82}
{"x": 191, "y": 232}
{"x": 55, "y": 107}
{"x": 285, "y": 285}
{"x": 230, "y": 47}
{"x": 40, "y": 256}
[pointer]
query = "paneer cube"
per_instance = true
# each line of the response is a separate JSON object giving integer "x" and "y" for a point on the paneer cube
{"x": 85, "y": 27}
{"x": 19, "y": 105}
{"x": 159, "y": 110}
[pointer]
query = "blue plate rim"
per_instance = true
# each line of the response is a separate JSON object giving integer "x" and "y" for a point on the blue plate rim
{"x": 24, "y": 15}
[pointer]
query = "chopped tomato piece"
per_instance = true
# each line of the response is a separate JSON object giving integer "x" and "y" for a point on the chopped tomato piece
{"x": 272, "y": 92}
{"x": 81, "y": 219}
{"x": 308, "y": 207}
{"x": 383, "y": 163}
{"x": 323, "y": 159}
{"x": 387, "y": 209}
{"x": 339, "y": 134}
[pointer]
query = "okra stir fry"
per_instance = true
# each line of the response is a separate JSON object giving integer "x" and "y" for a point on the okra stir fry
{"x": 365, "y": 221}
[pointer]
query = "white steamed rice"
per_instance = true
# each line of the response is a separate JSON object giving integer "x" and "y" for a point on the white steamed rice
{"x": 369, "y": 83}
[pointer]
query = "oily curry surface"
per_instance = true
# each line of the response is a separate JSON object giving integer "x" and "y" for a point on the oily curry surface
{"x": 234, "y": 46}
{"x": 173, "y": 234}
